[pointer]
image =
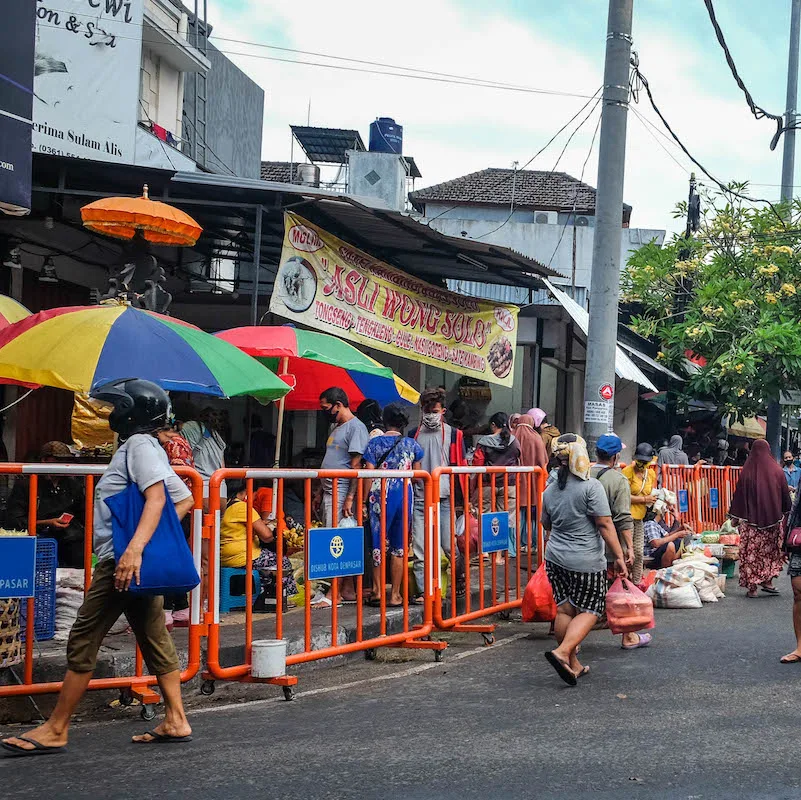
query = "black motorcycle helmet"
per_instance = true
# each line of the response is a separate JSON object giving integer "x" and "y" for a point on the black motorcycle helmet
{"x": 139, "y": 406}
{"x": 644, "y": 452}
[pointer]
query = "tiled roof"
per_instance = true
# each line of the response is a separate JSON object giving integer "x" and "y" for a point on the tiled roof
{"x": 535, "y": 189}
{"x": 276, "y": 171}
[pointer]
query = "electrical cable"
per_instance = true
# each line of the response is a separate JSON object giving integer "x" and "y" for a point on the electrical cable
{"x": 409, "y": 72}
{"x": 570, "y": 139}
{"x": 757, "y": 111}
{"x": 572, "y": 215}
{"x": 639, "y": 78}
{"x": 506, "y": 176}
{"x": 209, "y": 148}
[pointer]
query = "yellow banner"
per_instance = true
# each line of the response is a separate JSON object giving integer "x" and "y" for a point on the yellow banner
{"x": 326, "y": 284}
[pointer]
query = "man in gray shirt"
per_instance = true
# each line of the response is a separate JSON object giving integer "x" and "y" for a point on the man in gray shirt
{"x": 346, "y": 444}
{"x": 618, "y": 491}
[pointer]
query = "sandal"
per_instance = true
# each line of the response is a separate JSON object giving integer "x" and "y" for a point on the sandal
{"x": 791, "y": 658}
{"x": 643, "y": 640}
{"x": 769, "y": 589}
{"x": 39, "y": 749}
{"x": 562, "y": 669}
{"x": 162, "y": 738}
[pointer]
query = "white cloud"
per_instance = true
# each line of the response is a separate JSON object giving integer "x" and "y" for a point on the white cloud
{"x": 452, "y": 130}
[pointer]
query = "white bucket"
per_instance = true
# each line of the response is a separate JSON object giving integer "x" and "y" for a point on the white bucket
{"x": 269, "y": 658}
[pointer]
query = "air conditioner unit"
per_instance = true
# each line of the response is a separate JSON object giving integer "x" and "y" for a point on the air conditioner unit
{"x": 546, "y": 217}
{"x": 582, "y": 222}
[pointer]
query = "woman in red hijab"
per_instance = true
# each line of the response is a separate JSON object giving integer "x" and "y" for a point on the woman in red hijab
{"x": 761, "y": 503}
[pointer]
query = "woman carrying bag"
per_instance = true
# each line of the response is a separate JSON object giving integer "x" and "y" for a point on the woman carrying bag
{"x": 130, "y": 542}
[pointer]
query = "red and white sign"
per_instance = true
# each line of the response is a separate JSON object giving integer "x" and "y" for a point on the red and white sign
{"x": 606, "y": 392}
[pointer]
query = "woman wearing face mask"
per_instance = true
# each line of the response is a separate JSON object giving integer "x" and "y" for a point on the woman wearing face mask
{"x": 443, "y": 446}
{"x": 643, "y": 483}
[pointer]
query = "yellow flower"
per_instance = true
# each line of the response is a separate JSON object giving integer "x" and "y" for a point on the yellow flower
{"x": 739, "y": 367}
{"x": 741, "y": 393}
{"x": 660, "y": 356}
{"x": 771, "y": 269}
{"x": 788, "y": 288}
{"x": 743, "y": 302}
{"x": 771, "y": 297}
{"x": 788, "y": 251}
{"x": 756, "y": 251}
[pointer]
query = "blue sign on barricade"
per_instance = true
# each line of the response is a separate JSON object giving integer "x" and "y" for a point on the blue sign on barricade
{"x": 494, "y": 531}
{"x": 684, "y": 501}
{"x": 17, "y": 566}
{"x": 714, "y": 498}
{"x": 335, "y": 552}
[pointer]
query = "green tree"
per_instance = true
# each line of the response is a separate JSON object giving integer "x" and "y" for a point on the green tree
{"x": 731, "y": 296}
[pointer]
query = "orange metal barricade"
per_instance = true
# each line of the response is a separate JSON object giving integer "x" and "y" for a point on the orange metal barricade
{"x": 513, "y": 490}
{"x": 317, "y": 621}
{"x": 139, "y": 684}
{"x": 698, "y": 481}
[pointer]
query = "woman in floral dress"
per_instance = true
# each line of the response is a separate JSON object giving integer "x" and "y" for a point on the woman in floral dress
{"x": 394, "y": 451}
{"x": 760, "y": 504}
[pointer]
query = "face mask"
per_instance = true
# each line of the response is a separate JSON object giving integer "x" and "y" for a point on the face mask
{"x": 641, "y": 464}
{"x": 788, "y": 461}
{"x": 330, "y": 414}
{"x": 432, "y": 420}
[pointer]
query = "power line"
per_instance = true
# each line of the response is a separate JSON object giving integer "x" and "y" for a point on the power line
{"x": 570, "y": 139}
{"x": 539, "y": 152}
{"x": 572, "y": 215}
{"x": 670, "y": 155}
{"x": 407, "y": 72}
{"x": 641, "y": 81}
{"x": 756, "y": 110}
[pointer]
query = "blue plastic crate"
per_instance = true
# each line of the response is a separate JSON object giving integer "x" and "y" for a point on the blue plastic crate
{"x": 44, "y": 608}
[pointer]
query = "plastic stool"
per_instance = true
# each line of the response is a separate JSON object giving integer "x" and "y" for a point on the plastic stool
{"x": 228, "y": 600}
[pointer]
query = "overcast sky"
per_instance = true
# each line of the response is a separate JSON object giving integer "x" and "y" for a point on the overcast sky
{"x": 452, "y": 130}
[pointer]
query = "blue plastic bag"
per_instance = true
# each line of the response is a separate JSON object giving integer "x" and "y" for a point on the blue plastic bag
{"x": 167, "y": 563}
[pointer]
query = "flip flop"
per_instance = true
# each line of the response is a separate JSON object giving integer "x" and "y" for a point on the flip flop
{"x": 643, "y": 640}
{"x": 584, "y": 671}
{"x": 562, "y": 669}
{"x": 39, "y": 749}
{"x": 324, "y": 603}
{"x": 160, "y": 738}
{"x": 769, "y": 589}
{"x": 791, "y": 659}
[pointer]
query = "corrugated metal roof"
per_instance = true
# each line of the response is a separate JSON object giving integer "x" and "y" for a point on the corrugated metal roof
{"x": 625, "y": 368}
{"x": 515, "y": 295}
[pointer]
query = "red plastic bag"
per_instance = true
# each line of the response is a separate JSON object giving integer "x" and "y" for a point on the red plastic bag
{"x": 647, "y": 580}
{"x": 628, "y": 609}
{"x": 538, "y": 602}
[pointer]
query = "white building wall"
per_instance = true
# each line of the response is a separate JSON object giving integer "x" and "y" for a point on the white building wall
{"x": 550, "y": 244}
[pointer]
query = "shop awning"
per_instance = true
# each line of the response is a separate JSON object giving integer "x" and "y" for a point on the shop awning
{"x": 749, "y": 428}
{"x": 625, "y": 368}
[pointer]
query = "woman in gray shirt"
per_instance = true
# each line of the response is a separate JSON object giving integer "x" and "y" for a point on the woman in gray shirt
{"x": 578, "y": 520}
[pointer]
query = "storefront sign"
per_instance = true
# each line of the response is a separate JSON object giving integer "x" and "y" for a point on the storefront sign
{"x": 326, "y": 284}
{"x": 335, "y": 552}
{"x": 494, "y": 531}
{"x": 16, "y": 103}
{"x": 606, "y": 392}
{"x": 86, "y": 85}
{"x": 17, "y": 566}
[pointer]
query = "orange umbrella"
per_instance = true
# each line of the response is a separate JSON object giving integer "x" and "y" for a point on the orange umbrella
{"x": 124, "y": 217}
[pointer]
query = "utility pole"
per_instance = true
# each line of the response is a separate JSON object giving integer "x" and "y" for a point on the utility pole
{"x": 774, "y": 426}
{"x": 599, "y": 376}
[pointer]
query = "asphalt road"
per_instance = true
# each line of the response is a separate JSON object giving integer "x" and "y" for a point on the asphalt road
{"x": 705, "y": 712}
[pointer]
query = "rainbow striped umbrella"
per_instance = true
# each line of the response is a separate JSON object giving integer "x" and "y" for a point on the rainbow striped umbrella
{"x": 83, "y": 347}
{"x": 314, "y": 362}
{"x": 11, "y": 311}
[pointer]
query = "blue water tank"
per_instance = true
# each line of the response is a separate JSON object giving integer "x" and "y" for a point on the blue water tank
{"x": 386, "y": 136}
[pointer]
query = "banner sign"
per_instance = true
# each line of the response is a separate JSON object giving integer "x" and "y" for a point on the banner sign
{"x": 335, "y": 552}
{"x": 86, "y": 84}
{"x": 714, "y": 498}
{"x": 16, "y": 104}
{"x": 326, "y": 284}
{"x": 494, "y": 531}
{"x": 684, "y": 501}
{"x": 17, "y": 566}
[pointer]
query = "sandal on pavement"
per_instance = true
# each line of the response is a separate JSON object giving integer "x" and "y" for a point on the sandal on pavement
{"x": 39, "y": 749}
{"x": 769, "y": 589}
{"x": 562, "y": 669}
{"x": 162, "y": 738}
{"x": 584, "y": 671}
{"x": 792, "y": 658}
{"x": 643, "y": 640}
